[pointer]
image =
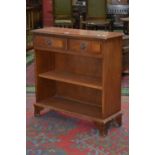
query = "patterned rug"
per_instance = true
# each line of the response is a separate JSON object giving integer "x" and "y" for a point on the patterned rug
{"x": 57, "y": 134}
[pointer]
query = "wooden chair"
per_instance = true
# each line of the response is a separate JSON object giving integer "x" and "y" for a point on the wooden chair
{"x": 117, "y": 12}
{"x": 96, "y": 14}
{"x": 62, "y": 11}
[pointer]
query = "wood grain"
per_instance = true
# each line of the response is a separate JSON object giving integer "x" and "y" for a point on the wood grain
{"x": 71, "y": 78}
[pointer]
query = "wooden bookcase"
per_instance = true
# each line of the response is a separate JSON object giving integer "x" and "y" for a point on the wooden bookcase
{"x": 78, "y": 72}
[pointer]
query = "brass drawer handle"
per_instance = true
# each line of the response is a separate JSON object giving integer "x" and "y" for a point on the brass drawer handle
{"x": 48, "y": 42}
{"x": 83, "y": 46}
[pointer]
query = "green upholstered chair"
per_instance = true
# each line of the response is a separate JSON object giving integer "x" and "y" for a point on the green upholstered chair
{"x": 96, "y": 14}
{"x": 62, "y": 11}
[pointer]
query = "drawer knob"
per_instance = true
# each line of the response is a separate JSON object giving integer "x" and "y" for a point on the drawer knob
{"x": 48, "y": 42}
{"x": 83, "y": 46}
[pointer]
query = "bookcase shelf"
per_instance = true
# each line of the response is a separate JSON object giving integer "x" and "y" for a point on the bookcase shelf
{"x": 72, "y": 107}
{"x": 80, "y": 80}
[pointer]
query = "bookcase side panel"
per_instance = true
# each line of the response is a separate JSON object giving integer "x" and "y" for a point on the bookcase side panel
{"x": 111, "y": 79}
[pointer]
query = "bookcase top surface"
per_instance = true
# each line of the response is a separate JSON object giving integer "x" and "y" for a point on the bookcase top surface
{"x": 78, "y": 33}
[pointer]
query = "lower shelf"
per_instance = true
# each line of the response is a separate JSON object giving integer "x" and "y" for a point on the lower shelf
{"x": 74, "y": 108}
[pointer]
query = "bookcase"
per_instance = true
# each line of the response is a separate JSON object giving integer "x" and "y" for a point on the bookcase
{"x": 78, "y": 72}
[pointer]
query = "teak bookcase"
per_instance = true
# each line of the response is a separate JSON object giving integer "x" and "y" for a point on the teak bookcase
{"x": 78, "y": 72}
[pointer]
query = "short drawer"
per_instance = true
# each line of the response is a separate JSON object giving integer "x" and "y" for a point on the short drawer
{"x": 84, "y": 46}
{"x": 49, "y": 42}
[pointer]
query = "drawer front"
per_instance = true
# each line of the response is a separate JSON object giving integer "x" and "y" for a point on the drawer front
{"x": 85, "y": 46}
{"x": 49, "y": 42}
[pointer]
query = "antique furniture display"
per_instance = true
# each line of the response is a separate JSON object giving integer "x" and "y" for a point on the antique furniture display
{"x": 126, "y": 25}
{"x": 33, "y": 20}
{"x": 78, "y": 72}
{"x": 62, "y": 12}
{"x": 96, "y": 14}
{"x": 118, "y": 2}
{"x": 116, "y": 12}
{"x": 125, "y": 54}
{"x": 79, "y": 13}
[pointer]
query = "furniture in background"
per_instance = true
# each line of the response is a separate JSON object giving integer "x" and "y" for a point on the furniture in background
{"x": 125, "y": 55}
{"x": 118, "y": 2}
{"x": 78, "y": 72}
{"x": 79, "y": 13}
{"x": 96, "y": 15}
{"x": 62, "y": 13}
{"x": 33, "y": 20}
{"x": 116, "y": 12}
{"x": 125, "y": 25}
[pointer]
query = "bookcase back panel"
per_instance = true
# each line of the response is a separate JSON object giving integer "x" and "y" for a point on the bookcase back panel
{"x": 79, "y": 65}
{"x": 45, "y": 89}
{"x": 44, "y": 61}
{"x": 75, "y": 92}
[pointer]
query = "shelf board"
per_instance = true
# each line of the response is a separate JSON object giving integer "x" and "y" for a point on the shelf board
{"x": 71, "y": 107}
{"x": 71, "y": 78}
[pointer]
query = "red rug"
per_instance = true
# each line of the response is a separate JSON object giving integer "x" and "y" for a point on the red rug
{"x": 56, "y": 134}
